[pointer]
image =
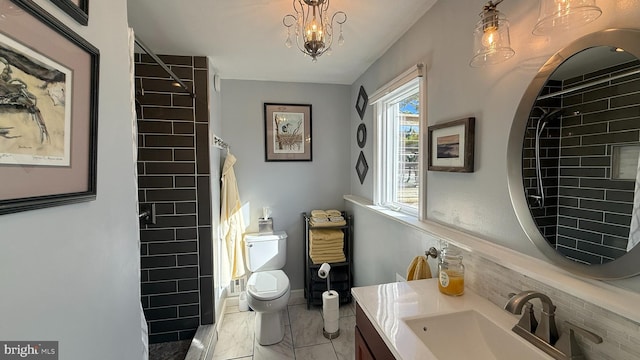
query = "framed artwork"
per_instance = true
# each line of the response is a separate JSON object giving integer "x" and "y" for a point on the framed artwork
{"x": 361, "y": 103}
{"x": 77, "y": 9}
{"x": 451, "y": 146}
{"x": 361, "y": 135}
{"x": 48, "y": 112}
{"x": 287, "y": 132}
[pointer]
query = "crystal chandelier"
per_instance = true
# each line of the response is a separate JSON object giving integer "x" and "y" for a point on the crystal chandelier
{"x": 313, "y": 30}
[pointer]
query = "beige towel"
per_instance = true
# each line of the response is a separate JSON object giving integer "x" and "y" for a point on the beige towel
{"x": 333, "y": 212}
{"x": 327, "y": 223}
{"x": 319, "y": 214}
{"x": 325, "y": 234}
{"x": 327, "y": 259}
{"x": 418, "y": 269}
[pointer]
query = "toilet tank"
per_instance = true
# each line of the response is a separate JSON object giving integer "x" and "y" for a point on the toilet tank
{"x": 265, "y": 251}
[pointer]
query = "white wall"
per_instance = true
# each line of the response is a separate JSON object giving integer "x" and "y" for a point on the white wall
{"x": 289, "y": 188}
{"x": 70, "y": 273}
{"x": 215, "y": 158}
{"x": 478, "y": 202}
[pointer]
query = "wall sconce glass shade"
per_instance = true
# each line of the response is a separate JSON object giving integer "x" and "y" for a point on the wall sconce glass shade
{"x": 313, "y": 28}
{"x": 565, "y": 14}
{"x": 491, "y": 42}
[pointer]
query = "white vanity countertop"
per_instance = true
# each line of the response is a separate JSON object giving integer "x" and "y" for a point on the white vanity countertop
{"x": 387, "y": 304}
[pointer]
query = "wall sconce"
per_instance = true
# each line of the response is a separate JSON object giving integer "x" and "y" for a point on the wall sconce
{"x": 565, "y": 14}
{"x": 491, "y": 43}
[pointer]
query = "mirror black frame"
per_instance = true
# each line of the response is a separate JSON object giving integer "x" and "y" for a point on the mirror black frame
{"x": 625, "y": 266}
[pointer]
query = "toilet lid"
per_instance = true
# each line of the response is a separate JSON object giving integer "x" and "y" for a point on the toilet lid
{"x": 267, "y": 285}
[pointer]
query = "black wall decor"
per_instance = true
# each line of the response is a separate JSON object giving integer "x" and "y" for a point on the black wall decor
{"x": 361, "y": 135}
{"x": 362, "y": 167}
{"x": 361, "y": 103}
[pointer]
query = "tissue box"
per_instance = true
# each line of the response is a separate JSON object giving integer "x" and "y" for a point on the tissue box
{"x": 265, "y": 226}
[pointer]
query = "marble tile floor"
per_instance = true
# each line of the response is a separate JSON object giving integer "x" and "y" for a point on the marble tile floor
{"x": 303, "y": 336}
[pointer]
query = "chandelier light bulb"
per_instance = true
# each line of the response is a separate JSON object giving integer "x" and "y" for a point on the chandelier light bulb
{"x": 490, "y": 38}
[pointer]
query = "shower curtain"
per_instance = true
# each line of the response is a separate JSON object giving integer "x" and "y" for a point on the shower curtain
{"x": 232, "y": 222}
{"x": 634, "y": 228}
{"x": 134, "y": 136}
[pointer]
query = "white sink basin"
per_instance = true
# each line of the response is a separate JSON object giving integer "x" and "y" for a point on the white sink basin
{"x": 469, "y": 335}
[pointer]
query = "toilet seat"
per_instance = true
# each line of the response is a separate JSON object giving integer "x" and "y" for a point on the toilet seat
{"x": 268, "y": 285}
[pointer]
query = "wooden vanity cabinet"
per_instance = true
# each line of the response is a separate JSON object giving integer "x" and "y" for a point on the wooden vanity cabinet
{"x": 369, "y": 344}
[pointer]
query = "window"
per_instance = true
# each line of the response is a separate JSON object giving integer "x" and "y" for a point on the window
{"x": 398, "y": 143}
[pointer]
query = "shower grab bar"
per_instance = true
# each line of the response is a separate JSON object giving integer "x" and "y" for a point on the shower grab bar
{"x": 163, "y": 65}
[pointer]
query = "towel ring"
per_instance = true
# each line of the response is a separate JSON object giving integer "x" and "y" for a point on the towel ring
{"x": 433, "y": 252}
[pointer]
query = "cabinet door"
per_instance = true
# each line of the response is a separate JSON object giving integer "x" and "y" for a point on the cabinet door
{"x": 362, "y": 351}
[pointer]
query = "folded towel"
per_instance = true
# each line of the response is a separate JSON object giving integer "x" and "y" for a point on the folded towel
{"x": 324, "y": 259}
{"x": 325, "y": 234}
{"x": 327, "y": 223}
{"x": 334, "y": 251}
{"x": 319, "y": 219}
{"x": 319, "y": 213}
{"x": 333, "y": 212}
{"x": 338, "y": 244}
{"x": 336, "y": 219}
{"x": 418, "y": 269}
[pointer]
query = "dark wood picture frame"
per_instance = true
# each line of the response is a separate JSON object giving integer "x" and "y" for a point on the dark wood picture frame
{"x": 451, "y": 146}
{"x": 36, "y": 181}
{"x": 362, "y": 102}
{"x": 77, "y": 9}
{"x": 287, "y": 132}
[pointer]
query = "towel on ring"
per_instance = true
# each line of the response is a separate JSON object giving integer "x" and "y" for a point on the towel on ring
{"x": 418, "y": 269}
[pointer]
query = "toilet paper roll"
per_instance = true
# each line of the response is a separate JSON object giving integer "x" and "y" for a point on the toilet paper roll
{"x": 323, "y": 272}
{"x": 330, "y": 306}
{"x": 331, "y": 326}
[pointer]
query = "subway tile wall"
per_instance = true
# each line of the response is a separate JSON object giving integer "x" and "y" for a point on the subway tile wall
{"x": 544, "y": 212}
{"x": 586, "y": 213}
{"x": 173, "y": 174}
{"x": 594, "y": 211}
{"x": 621, "y": 336}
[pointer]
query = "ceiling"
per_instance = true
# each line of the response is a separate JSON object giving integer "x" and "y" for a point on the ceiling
{"x": 245, "y": 38}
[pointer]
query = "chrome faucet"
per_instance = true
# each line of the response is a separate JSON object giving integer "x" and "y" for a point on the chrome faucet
{"x": 544, "y": 335}
{"x": 546, "y": 329}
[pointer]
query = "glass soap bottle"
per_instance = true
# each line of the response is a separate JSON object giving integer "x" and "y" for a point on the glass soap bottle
{"x": 451, "y": 272}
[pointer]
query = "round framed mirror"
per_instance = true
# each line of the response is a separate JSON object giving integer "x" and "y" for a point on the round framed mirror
{"x": 573, "y": 156}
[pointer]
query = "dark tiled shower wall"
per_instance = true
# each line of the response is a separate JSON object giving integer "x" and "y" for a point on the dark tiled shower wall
{"x": 173, "y": 173}
{"x": 593, "y": 212}
{"x": 545, "y": 216}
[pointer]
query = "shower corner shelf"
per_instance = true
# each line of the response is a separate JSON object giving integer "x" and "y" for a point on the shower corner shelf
{"x": 341, "y": 274}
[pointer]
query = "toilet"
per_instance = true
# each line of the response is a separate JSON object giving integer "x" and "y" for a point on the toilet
{"x": 268, "y": 288}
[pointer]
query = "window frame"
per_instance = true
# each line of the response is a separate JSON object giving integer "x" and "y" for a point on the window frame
{"x": 381, "y": 168}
